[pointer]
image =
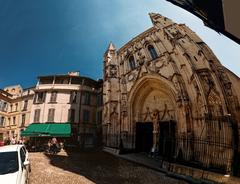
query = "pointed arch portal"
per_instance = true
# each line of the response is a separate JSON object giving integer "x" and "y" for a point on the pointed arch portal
{"x": 153, "y": 113}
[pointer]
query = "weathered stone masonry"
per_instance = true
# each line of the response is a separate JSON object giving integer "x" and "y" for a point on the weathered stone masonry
{"x": 166, "y": 87}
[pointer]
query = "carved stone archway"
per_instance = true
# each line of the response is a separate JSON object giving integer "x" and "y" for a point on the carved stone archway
{"x": 152, "y": 99}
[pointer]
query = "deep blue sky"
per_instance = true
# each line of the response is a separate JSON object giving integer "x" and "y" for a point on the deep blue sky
{"x": 41, "y": 37}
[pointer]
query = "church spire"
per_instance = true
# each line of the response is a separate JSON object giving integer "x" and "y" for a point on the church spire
{"x": 111, "y": 47}
{"x": 159, "y": 20}
{"x": 110, "y": 50}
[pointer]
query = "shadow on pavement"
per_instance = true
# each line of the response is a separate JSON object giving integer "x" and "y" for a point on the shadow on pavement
{"x": 95, "y": 165}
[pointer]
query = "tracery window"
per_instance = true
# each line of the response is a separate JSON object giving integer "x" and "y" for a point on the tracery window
{"x": 132, "y": 63}
{"x": 152, "y": 52}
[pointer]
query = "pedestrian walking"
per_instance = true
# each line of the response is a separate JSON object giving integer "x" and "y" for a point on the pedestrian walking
{"x": 20, "y": 141}
{"x": 54, "y": 145}
{"x": 49, "y": 146}
{"x": 13, "y": 140}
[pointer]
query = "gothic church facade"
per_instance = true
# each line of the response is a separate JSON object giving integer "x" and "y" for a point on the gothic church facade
{"x": 166, "y": 90}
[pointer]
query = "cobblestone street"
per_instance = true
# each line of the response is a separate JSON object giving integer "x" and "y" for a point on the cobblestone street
{"x": 91, "y": 167}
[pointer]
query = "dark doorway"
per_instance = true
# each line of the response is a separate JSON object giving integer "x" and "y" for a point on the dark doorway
{"x": 144, "y": 136}
{"x": 167, "y": 139}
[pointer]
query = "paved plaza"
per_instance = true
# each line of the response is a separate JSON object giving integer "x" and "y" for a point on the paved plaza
{"x": 92, "y": 166}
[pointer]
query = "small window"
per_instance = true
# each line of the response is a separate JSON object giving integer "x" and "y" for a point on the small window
{"x": 39, "y": 97}
{"x": 37, "y": 116}
{"x": 25, "y": 105}
{"x": 99, "y": 117}
{"x": 132, "y": 63}
{"x": 51, "y": 113}
{"x": 152, "y": 52}
{"x": 87, "y": 98}
{"x": 99, "y": 100}
{"x": 73, "y": 97}
{"x": 3, "y": 106}
{"x": 14, "y": 120}
{"x": 23, "y": 119}
{"x": 53, "y": 97}
{"x": 71, "y": 115}
{"x": 16, "y": 106}
{"x": 86, "y": 115}
{"x": 2, "y": 119}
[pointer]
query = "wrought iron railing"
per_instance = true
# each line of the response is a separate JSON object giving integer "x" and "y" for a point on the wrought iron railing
{"x": 199, "y": 153}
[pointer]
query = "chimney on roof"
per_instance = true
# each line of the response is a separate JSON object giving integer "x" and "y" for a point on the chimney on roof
{"x": 74, "y": 73}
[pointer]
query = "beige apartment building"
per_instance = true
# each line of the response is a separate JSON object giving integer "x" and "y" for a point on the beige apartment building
{"x": 15, "y": 108}
{"x": 166, "y": 91}
{"x": 4, "y": 102}
{"x": 70, "y": 98}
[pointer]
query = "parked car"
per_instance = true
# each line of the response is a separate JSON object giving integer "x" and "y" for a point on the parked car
{"x": 14, "y": 165}
{"x": 1, "y": 143}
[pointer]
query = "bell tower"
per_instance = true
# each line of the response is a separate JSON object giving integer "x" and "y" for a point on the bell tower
{"x": 111, "y": 94}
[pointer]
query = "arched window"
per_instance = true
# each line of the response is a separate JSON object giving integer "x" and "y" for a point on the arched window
{"x": 152, "y": 52}
{"x": 132, "y": 62}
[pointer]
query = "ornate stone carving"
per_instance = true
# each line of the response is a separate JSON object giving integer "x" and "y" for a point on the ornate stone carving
{"x": 226, "y": 82}
{"x": 113, "y": 71}
{"x": 123, "y": 80}
{"x": 166, "y": 113}
{"x": 114, "y": 114}
{"x": 147, "y": 116}
{"x": 180, "y": 88}
{"x": 207, "y": 82}
{"x": 131, "y": 77}
{"x": 124, "y": 103}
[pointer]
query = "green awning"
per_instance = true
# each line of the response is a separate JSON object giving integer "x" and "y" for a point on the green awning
{"x": 47, "y": 130}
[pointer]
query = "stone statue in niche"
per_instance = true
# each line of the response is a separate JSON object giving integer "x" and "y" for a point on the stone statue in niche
{"x": 177, "y": 87}
{"x": 114, "y": 119}
{"x": 188, "y": 117}
{"x": 141, "y": 56}
{"x": 124, "y": 103}
{"x": 140, "y": 53}
{"x": 208, "y": 83}
{"x": 155, "y": 119}
{"x": 199, "y": 101}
